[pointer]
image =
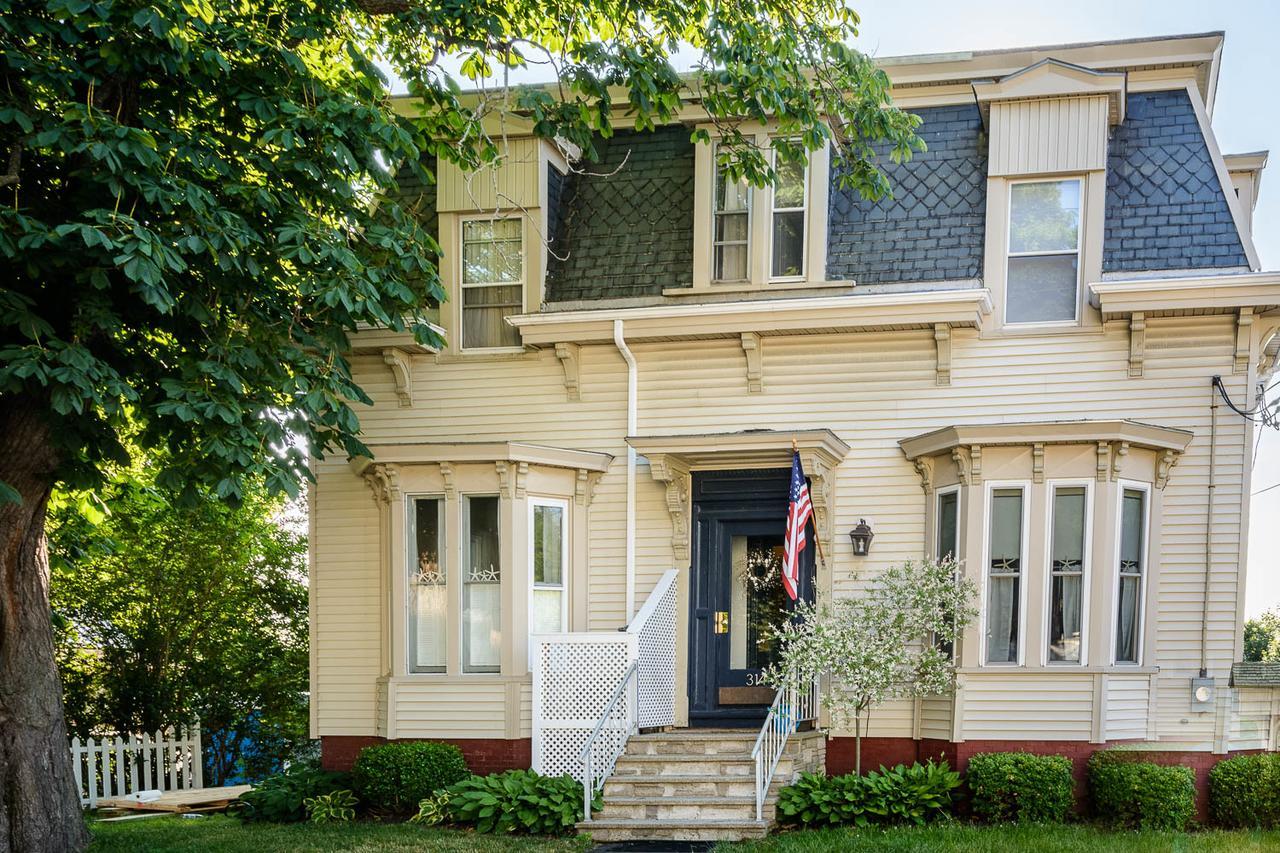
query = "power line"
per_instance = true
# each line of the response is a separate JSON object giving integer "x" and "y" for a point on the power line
{"x": 1267, "y": 489}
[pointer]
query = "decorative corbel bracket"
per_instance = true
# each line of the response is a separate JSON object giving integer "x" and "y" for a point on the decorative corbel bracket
{"x": 924, "y": 467}
{"x": 822, "y": 496}
{"x": 1244, "y": 340}
{"x": 513, "y": 478}
{"x": 401, "y": 364}
{"x": 383, "y": 480}
{"x": 585, "y": 486}
{"x": 975, "y": 463}
{"x": 1119, "y": 452}
{"x": 568, "y": 355}
{"x": 1164, "y": 464}
{"x": 1137, "y": 342}
{"x": 1103, "y": 465}
{"x": 942, "y": 345}
{"x": 447, "y": 475}
{"x": 962, "y": 465}
{"x": 755, "y": 371}
{"x": 1037, "y": 462}
{"x": 675, "y": 476}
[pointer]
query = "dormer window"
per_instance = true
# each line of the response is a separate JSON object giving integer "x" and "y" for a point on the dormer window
{"x": 1043, "y": 284}
{"x": 492, "y": 282}
{"x": 759, "y": 238}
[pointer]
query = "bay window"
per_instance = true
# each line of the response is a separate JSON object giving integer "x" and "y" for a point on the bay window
{"x": 948, "y": 525}
{"x": 1043, "y": 271}
{"x": 1005, "y": 543}
{"x": 1130, "y": 568}
{"x": 481, "y": 586}
{"x": 1067, "y": 560}
{"x": 428, "y": 602}
{"x": 548, "y": 565}
{"x": 492, "y": 282}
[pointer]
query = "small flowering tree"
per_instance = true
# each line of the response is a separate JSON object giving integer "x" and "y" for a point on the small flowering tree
{"x": 894, "y": 641}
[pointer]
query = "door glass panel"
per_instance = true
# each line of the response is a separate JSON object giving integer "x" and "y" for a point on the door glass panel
{"x": 757, "y": 601}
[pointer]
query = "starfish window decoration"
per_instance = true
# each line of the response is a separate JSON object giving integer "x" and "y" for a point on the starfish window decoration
{"x": 1004, "y": 564}
{"x": 1129, "y": 566}
{"x": 1066, "y": 565}
{"x": 480, "y": 575}
{"x": 429, "y": 572}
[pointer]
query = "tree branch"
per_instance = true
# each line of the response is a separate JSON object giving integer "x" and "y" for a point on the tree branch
{"x": 15, "y": 161}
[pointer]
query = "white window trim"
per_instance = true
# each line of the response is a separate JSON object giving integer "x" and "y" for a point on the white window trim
{"x": 1086, "y": 570}
{"x": 774, "y": 210}
{"x": 1141, "y": 629}
{"x": 410, "y": 554}
{"x": 1078, "y": 252}
{"x": 462, "y": 285}
{"x": 937, "y": 521}
{"x": 989, "y": 487}
{"x": 565, "y": 547}
{"x": 464, "y": 538}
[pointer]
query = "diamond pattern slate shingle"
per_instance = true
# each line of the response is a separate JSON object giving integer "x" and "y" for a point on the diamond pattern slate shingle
{"x": 418, "y": 198}
{"x": 627, "y": 232}
{"x": 1165, "y": 206}
{"x": 932, "y": 228}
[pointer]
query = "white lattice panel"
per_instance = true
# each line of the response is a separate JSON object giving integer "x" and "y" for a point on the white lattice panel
{"x": 657, "y": 650}
{"x": 575, "y": 675}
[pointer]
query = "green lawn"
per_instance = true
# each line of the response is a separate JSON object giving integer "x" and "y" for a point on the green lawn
{"x": 222, "y": 834}
{"x": 964, "y": 838}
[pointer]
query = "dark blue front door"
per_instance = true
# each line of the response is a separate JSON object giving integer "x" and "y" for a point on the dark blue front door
{"x": 739, "y": 518}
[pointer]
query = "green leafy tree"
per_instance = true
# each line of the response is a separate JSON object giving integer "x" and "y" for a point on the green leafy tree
{"x": 168, "y": 615}
{"x": 188, "y": 236}
{"x": 1262, "y": 637}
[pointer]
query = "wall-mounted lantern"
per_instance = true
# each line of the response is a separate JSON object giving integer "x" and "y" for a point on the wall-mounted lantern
{"x": 861, "y": 537}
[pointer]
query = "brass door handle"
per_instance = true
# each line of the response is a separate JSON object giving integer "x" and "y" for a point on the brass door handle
{"x": 722, "y": 622}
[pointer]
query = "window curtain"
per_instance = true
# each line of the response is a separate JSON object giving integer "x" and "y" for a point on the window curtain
{"x": 1002, "y": 620}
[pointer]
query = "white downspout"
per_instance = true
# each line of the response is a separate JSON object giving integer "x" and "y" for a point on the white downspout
{"x": 621, "y": 343}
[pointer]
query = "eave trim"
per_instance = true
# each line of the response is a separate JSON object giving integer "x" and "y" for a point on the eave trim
{"x": 1046, "y": 432}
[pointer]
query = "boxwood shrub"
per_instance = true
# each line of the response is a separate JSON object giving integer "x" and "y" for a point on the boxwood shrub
{"x": 913, "y": 795}
{"x": 1245, "y": 791}
{"x": 395, "y": 777}
{"x": 1129, "y": 792}
{"x": 1020, "y": 787}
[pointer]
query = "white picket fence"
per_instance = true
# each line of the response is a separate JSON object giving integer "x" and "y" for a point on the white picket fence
{"x": 167, "y": 760}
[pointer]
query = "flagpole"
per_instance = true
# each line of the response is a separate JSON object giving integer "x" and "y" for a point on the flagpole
{"x": 817, "y": 539}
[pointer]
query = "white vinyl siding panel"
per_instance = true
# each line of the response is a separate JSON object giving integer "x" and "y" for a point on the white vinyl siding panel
{"x": 1128, "y": 702}
{"x": 1048, "y": 135}
{"x": 871, "y": 389}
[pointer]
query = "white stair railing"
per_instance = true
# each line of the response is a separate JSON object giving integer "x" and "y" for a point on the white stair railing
{"x": 791, "y": 707}
{"x": 593, "y": 690}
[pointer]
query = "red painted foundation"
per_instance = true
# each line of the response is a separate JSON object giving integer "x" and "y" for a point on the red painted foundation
{"x": 891, "y": 750}
{"x": 483, "y": 755}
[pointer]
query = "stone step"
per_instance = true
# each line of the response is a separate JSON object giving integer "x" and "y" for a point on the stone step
{"x": 673, "y": 830}
{"x": 683, "y": 785}
{"x": 682, "y": 744}
{"x": 736, "y": 764}
{"x": 737, "y": 807}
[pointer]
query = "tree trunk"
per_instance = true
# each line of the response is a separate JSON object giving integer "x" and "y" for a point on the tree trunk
{"x": 39, "y": 805}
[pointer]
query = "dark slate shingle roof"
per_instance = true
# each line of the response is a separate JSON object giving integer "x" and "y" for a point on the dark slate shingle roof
{"x": 1165, "y": 205}
{"x": 625, "y": 229}
{"x": 1255, "y": 674}
{"x": 932, "y": 229}
{"x": 418, "y": 197}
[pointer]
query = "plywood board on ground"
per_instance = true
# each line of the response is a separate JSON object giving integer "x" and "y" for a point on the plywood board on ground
{"x": 186, "y": 800}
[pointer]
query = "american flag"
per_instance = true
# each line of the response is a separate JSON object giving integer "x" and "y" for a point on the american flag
{"x": 799, "y": 511}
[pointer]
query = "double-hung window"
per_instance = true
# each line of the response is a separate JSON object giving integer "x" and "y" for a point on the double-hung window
{"x": 548, "y": 565}
{"x": 787, "y": 226}
{"x": 1005, "y": 550}
{"x": 428, "y": 599}
{"x": 492, "y": 282}
{"x": 1067, "y": 562}
{"x": 731, "y": 228}
{"x": 948, "y": 525}
{"x": 481, "y": 586}
{"x": 1131, "y": 566}
{"x": 1043, "y": 272}
{"x": 736, "y": 234}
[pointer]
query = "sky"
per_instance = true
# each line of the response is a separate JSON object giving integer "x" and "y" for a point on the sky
{"x": 1245, "y": 118}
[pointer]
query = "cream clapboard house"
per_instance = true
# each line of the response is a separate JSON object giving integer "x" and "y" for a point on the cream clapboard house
{"x": 1012, "y": 360}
